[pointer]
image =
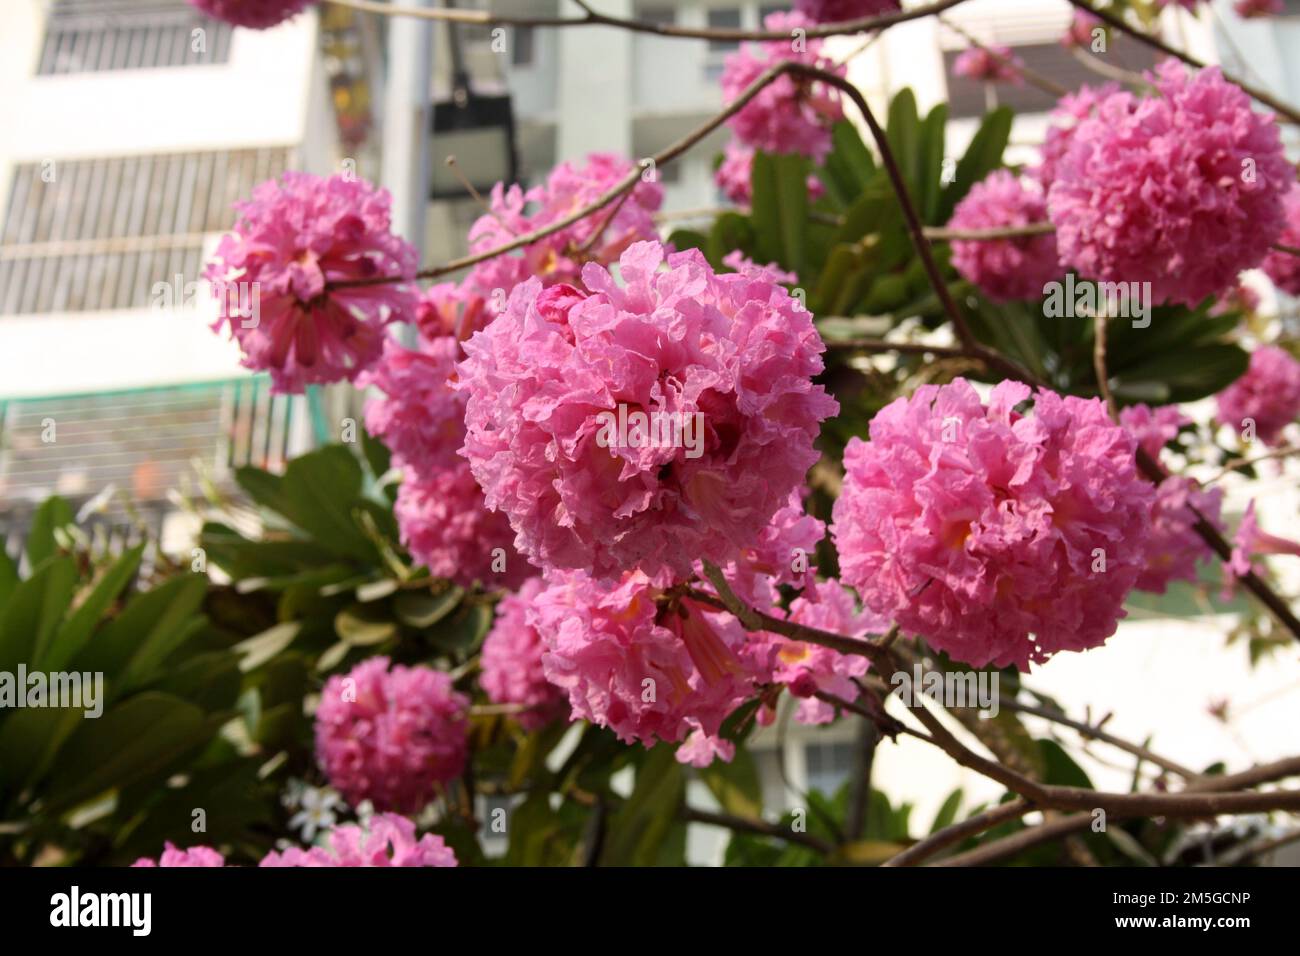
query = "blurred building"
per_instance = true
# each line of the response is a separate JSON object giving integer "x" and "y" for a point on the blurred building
{"x": 128, "y": 129}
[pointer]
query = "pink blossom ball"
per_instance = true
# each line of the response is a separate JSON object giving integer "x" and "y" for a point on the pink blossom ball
{"x": 417, "y": 414}
{"x": 842, "y": 11}
{"x": 1000, "y": 538}
{"x": 1283, "y": 267}
{"x": 792, "y": 114}
{"x": 648, "y": 668}
{"x": 258, "y": 14}
{"x": 1005, "y": 269}
{"x": 386, "y": 839}
{"x": 195, "y": 856}
{"x": 512, "y": 660}
{"x": 1267, "y": 396}
{"x": 271, "y": 279}
{"x": 811, "y": 668}
{"x": 391, "y": 736}
{"x": 785, "y": 553}
{"x": 720, "y": 368}
{"x": 1182, "y": 189}
{"x": 447, "y": 526}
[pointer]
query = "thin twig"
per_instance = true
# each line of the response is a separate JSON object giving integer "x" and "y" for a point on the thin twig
{"x": 956, "y": 832}
{"x": 1236, "y": 464}
{"x": 1040, "y": 80}
{"x": 758, "y": 828}
{"x": 1099, "y": 363}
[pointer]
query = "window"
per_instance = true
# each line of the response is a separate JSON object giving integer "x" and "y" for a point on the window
{"x": 724, "y": 18}
{"x": 96, "y": 234}
{"x": 828, "y": 766}
{"x": 767, "y": 9}
{"x": 662, "y": 16}
{"x": 92, "y": 36}
{"x": 523, "y": 49}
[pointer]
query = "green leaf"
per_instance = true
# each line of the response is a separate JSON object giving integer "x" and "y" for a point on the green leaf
{"x": 1059, "y": 768}
{"x": 640, "y": 825}
{"x": 362, "y": 625}
{"x": 139, "y": 737}
{"x": 780, "y": 209}
{"x": 903, "y": 131}
{"x": 948, "y": 812}
{"x": 269, "y": 644}
{"x": 8, "y": 577}
{"x": 849, "y": 167}
{"x": 53, "y": 513}
{"x": 152, "y": 625}
{"x": 82, "y": 622}
{"x": 983, "y": 155}
{"x": 35, "y": 609}
{"x": 30, "y": 739}
{"x": 420, "y": 609}
{"x": 736, "y": 785}
{"x": 930, "y": 154}
{"x": 1185, "y": 375}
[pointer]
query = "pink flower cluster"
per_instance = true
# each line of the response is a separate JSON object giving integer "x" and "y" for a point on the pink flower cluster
{"x": 1174, "y": 546}
{"x": 447, "y": 527}
{"x": 792, "y": 114}
{"x": 993, "y": 64}
{"x": 271, "y": 278}
{"x": 391, "y": 736}
{"x": 648, "y": 667}
{"x": 258, "y": 14}
{"x": 1005, "y": 269}
{"x": 418, "y": 414}
{"x": 999, "y": 537}
{"x": 559, "y": 257}
{"x": 1268, "y": 395}
{"x": 512, "y": 660}
{"x": 1153, "y": 428}
{"x": 730, "y": 357}
{"x": 811, "y": 668}
{"x": 440, "y": 510}
{"x": 195, "y": 856}
{"x": 386, "y": 839}
{"x": 734, "y": 175}
{"x": 842, "y": 11}
{"x": 1283, "y": 267}
{"x": 1182, "y": 189}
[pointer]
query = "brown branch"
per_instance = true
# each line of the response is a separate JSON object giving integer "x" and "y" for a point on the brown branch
{"x": 1119, "y": 23}
{"x": 591, "y": 18}
{"x": 944, "y": 234}
{"x": 907, "y": 348}
{"x": 758, "y": 828}
{"x": 1099, "y": 364}
{"x": 1096, "y": 733}
{"x": 928, "y": 847}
